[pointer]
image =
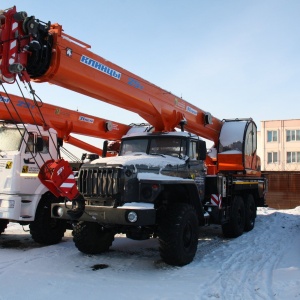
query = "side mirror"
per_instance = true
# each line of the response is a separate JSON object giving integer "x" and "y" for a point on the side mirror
{"x": 201, "y": 150}
{"x": 83, "y": 156}
{"x": 104, "y": 150}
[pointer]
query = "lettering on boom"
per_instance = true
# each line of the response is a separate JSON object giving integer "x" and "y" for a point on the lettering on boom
{"x": 85, "y": 119}
{"x": 100, "y": 67}
{"x": 4, "y": 99}
{"x": 191, "y": 110}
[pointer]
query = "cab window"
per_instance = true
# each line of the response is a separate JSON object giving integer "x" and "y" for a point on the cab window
{"x": 193, "y": 150}
{"x": 30, "y": 143}
{"x": 45, "y": 141}
{"x": 42, "y": 144}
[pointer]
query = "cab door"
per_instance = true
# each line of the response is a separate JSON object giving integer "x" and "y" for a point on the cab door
{"x": 197, "y": 156}
{"x": 34, "y": 153}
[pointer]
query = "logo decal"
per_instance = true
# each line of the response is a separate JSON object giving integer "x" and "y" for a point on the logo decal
{"x": 135, "y": 83}
{"x": 191, "y": 110}
{"x": 100, "y": 67}
{"x": 179, "y": 103}
{"x": 85, "y": 119}
{"x": 8, "y": 165}
{"x": 60, "y": 171}
{"x": 4, "y": 99}
{"x": 69, "y": 52}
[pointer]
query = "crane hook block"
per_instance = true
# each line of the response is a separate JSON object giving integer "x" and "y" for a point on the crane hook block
{"x": 58, "y": 177}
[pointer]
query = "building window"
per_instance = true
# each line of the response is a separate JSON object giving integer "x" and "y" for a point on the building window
{"x": 293, "y": 157}
{"x": 292, "y": 135}
{"x": 272, "y": 136}
{"x": 272, "y": 157}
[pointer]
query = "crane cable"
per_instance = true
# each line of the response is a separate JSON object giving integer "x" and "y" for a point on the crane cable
{"x": 34, "y": 95}
{"x": 34, "y": 121}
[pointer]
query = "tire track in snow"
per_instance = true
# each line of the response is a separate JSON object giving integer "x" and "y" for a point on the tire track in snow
{"x": 247, "y": 263}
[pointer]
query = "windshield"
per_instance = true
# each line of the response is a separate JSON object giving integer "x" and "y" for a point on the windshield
{"x": 156, "y": 146}
{"x": 232, "y": 136}
{"x": 168, "y": 146}
{"x": 137, "y": 145}
{"x": 10, "y": 139}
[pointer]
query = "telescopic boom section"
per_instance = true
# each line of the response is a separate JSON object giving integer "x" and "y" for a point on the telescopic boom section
{"x": 44, "y": 53}
{"x": 64, "y": 121}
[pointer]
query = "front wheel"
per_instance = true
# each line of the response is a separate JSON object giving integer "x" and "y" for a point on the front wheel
{"x": 178, "y": 234}
{"x": 3, "y": 225}
{"x": 44, "y": 229}
{"x": 92, "y": 238}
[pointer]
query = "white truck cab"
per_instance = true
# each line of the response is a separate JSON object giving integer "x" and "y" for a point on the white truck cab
{"x": 23, "y": 198}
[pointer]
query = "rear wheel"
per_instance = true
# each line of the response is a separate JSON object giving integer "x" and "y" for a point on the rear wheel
{"x": 250, "y": 213}
{"x": 178, "y": 234}
{"x": 92, "y": 238}
{"x": 3, "y": 225}
{"x": 44, "y": 229}
{"x": 235, "y": 226}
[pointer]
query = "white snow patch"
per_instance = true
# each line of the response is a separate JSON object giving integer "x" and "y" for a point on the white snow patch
{"x": 141, "y": 159}
{"x": 261, "y": 264}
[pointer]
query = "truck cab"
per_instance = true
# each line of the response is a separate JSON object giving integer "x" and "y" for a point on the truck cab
{"x": 24, "y": 148}
{"x": 145, "y": 162}
{"x": 157, "y": 176}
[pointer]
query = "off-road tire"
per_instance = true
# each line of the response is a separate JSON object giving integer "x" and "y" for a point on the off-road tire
{"x": 235, "y": 226}
{"x": 44, "y": 229}
{"x": 3, "y": 225}
{"x": 92, "y": 238}
{"x": 250, "y": 213}
{"x": 178, "y": 234}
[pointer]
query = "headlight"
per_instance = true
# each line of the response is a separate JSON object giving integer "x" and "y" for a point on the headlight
{"x": 132, "y": 216}
{"x": 58, "y": 211}
{"x": 7, "y": 203}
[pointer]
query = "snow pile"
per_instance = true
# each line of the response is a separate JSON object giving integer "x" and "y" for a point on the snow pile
{"x": 261, "y": 264}
{"x": 141, "y": 159}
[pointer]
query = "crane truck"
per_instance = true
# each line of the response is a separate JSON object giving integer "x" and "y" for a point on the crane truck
{"x": 27, "y": 141}
{"x": 163, "y": 183}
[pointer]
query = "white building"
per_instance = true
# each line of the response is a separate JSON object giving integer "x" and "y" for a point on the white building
{"x": 279, "y": 145}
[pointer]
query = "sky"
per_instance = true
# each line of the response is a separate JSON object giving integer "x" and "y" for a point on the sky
{"x": 261, "y": 264}
{"x": 233, "y": 58}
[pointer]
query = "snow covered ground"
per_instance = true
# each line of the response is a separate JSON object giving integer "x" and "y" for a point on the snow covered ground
{"x": 261, "y": 264}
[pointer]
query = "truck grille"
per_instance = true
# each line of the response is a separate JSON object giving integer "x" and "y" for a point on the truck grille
{"x": 99, "y": 182}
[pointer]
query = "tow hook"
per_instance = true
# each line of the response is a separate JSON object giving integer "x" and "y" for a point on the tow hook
{"x": 78, "y": 207}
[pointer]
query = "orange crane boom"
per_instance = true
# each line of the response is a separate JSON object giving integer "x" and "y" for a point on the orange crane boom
{"x": 44, "y": 53}
{"x": 64, "y": 121}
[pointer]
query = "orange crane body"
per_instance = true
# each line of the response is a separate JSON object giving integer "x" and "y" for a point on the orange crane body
{"x": 162, "y": 183}
{"x": 68, "y": 62}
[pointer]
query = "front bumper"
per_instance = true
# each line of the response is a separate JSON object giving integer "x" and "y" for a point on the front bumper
{"x": 108, "y": 215}
{"x": 17, "y": 208}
